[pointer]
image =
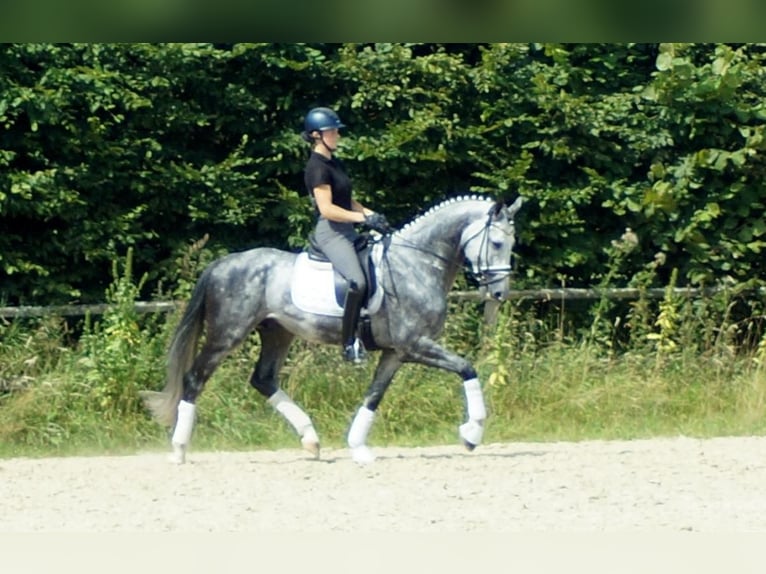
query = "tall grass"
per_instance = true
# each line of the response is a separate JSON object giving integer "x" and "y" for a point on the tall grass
{"x": 608, "y": 370}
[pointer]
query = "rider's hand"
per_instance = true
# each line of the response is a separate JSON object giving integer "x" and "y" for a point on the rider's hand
{"x": 377, "y": 222}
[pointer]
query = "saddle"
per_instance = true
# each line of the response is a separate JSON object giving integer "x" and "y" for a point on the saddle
{"x": 316, "y": 287}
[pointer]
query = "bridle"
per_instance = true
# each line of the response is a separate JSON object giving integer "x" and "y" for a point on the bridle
{"x": 481, "y": 270}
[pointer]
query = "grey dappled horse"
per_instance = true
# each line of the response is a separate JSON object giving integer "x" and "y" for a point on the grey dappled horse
{"x": 252, "y": 290}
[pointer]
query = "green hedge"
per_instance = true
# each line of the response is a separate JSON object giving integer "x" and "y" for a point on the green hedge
{"x": 106, "y": 147}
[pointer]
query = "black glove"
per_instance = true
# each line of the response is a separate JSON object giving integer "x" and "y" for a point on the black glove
{"x": 377, "y": 222}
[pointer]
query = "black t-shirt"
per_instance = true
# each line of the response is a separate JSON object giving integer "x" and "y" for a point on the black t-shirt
{"x": 323, "y": 171}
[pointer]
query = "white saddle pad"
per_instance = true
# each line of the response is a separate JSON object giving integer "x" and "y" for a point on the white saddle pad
{"x": 312, "y": 286}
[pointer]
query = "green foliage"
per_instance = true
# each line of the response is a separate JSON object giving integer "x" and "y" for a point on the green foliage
{"x": 105, "y": 147}
{"x": 119, "y": 354}
{"x": 545, "y": 378}
{"x": 667, "y": 321}
{"x": 110, "y": 146}
{"x": 31, "y": 348}
{"x": 617, "y": 252}
{"x": 91, "y": 389}
{"x": 708, "y": 181}
{"x": 170, "y": 155}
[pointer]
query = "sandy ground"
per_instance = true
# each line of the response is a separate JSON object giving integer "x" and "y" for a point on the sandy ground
{"x": 674, "y": 485}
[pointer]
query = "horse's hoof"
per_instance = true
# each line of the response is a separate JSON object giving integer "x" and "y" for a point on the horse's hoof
{"x": 310, "y": 442}
{"x": 471, "y": 433}
{"x": 178, "y": 456}
{"x": 362, "y": 455}
{"x": 312, "y": 447}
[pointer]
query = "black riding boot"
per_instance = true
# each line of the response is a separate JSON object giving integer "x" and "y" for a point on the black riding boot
{"x": 353, "y": 349}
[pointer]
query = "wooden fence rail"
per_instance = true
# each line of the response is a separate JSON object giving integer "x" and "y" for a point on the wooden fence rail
{"x": 530, "y": 294}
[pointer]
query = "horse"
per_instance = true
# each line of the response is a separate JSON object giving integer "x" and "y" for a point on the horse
{"x": 414, "y": 269}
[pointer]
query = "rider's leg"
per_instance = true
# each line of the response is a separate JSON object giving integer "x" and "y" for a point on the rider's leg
{"x": 353, "y": 350}
{"x": 337, "y": 242}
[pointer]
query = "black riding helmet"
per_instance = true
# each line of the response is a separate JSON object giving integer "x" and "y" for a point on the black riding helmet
{"x": 320, "y": 119}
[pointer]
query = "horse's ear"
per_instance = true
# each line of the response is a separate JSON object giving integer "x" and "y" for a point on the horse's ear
{"x": 515, "y": 206}
{"x": 498, "y": 207}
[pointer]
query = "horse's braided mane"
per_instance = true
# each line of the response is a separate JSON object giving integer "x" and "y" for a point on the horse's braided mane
{"x": 444, "y": 203}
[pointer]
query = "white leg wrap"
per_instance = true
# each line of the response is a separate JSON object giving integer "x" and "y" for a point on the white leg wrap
{"x": 360, "y": 428}
{"x": 183, "y": 431}
{"x": 184, "y": 424}
{"x": 474, "y": 399}
{"x": 472, "y": 431}
{"x": 299, "y": 420}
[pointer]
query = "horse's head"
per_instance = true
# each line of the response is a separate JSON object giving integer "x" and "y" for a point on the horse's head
{"x": 487, "y": 245}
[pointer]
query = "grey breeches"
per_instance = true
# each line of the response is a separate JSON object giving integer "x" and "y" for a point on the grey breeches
{"x": 337, "y": 242}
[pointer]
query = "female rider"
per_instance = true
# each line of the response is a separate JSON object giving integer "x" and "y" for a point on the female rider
{"x": 337, "y": 211}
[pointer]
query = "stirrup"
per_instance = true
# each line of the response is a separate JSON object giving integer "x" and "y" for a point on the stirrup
{"x": 355, "y": 352}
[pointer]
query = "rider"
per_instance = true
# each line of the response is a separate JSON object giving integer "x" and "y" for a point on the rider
{"x": 337, "y": 211}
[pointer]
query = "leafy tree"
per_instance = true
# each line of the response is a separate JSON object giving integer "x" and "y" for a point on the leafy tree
{"x": 158, "y": 147}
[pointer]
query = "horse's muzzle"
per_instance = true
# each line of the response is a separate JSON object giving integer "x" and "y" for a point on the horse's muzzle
{"x": 495, "y": 286}
{"x": 499, "y": 295}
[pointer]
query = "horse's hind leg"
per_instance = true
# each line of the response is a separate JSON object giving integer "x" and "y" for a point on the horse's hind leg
{"x": 275, "y": 343}
{"x": 205, "y": 364}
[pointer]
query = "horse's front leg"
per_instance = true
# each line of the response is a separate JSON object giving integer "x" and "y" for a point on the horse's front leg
{"x": 430, "y": 353}
{"x": 360, "y": 427}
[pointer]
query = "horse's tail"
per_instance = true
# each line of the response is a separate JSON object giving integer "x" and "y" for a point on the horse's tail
{"x": 164, "y": 405}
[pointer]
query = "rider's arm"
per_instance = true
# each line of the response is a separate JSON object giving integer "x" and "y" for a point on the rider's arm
{"x": 332, "y": 212}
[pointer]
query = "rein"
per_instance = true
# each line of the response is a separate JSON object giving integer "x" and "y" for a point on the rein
{"x": 483, "y": 274}
{"x": 412, "y": 245}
